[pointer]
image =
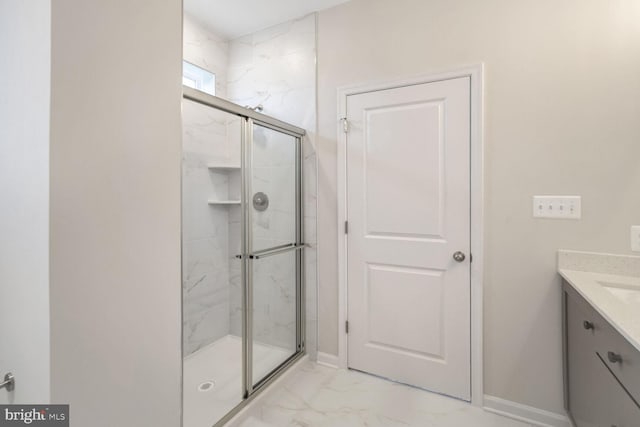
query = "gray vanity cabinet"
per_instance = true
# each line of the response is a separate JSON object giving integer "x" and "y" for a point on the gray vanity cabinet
{"x": 594, "y": 396}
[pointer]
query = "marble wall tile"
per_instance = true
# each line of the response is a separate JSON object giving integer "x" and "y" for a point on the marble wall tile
{"x": 207, "y": 50}
{"x": 273, "y": 173}
{"x": 206, "y": 228}
{"x": 235, "y": 272}
{"x": 205, "y": 294}
{"x": 276, "y": 67}
{"x": 274, "y": 297}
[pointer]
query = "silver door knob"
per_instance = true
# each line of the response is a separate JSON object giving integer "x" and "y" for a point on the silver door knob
{"x": 459, "y": 256}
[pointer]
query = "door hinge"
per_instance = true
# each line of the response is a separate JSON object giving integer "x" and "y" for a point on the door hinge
{"x": 345, "y": 124}
{"x": 346, "y": 227}
{"x": 470, "y": 257}
{"x": 346, "y": 326}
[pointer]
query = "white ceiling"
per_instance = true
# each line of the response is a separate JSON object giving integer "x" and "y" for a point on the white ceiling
{"x": 235, "y": 18}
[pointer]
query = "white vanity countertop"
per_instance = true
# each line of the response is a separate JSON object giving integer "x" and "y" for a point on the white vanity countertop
{"x": 610, "y": 283}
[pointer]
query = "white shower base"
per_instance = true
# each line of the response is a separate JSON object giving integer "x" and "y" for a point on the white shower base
{"x": 221, "y": 362}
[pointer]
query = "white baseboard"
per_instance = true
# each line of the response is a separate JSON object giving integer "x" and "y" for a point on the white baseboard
{"x": 528, "y": 414}
{"x": 326, "y": 359}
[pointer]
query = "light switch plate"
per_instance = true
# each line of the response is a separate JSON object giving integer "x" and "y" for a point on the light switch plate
{"x": 635, "y": 238}
{"x": 557, "y": 207}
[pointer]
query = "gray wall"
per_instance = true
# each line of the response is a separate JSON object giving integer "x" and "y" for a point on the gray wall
{"x": 561, "y": 117}
{"x": 25, "y": 54}
{"x": 115, "y": 211}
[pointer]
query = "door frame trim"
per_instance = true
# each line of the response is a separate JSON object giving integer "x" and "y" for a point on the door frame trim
{"x": 476, "y": 75}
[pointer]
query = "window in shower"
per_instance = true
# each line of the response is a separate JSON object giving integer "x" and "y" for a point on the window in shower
{"x": 198, "y": 78}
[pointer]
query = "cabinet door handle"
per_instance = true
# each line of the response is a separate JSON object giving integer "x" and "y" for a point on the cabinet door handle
{"x": 587, "y": 325}
{"x": 613, "y": 357}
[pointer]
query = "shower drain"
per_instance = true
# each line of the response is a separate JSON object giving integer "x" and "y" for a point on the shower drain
{"x": 206, "y": 386}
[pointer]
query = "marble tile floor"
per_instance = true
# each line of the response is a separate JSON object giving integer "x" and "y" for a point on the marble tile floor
{"x": 318, "y": 396}
{"x": 212, "y": 378}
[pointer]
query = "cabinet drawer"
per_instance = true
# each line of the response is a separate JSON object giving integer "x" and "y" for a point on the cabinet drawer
{"x": 604, "y": 339}
{"x": 616, "y": 407}
{"x": 620, "y": 357}
{"x": 604, "y": 403}
{"x": 595, "y": 397}
{"x": 584, "y": 401}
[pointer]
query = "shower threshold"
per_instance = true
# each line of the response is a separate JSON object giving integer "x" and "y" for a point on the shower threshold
{"x": 213, "y": 378}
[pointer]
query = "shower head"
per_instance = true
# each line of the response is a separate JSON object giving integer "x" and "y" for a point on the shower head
{"x": 257, "y": 108}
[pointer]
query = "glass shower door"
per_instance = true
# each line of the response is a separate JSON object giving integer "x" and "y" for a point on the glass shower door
{"x": 273, "y": 269}
{"x": 212, "y": 289}
{"x": 242, "y": 255}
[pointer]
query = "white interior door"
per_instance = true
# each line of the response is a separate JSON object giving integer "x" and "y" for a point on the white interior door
{"x": 408, "y": 207}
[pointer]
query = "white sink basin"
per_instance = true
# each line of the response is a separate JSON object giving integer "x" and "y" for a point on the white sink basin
{"x": 627, "y": 293}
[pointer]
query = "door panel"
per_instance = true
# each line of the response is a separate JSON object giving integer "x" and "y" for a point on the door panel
{"x": 274, "y": 312}
{"x": 420, "y": 169}
{"x": 388, "y": 287}
{"x": 211, "y": 275}
{"x": 274, "y": 239}
{"x": 408, "y": 159}
{"x": 273, "y": 167}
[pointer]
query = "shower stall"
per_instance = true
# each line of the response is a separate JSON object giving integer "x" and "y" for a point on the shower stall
{"x": 242, "y": 240}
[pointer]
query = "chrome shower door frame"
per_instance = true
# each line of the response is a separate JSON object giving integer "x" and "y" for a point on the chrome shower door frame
{"x": 251, "y": 118}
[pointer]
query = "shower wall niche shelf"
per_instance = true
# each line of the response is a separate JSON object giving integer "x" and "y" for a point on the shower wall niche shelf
{"x": 228, "y": 193}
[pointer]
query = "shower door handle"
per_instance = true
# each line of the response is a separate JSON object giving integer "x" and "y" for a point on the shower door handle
{"x": 273, "y": 251}
{"x": 277, "y": 250}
